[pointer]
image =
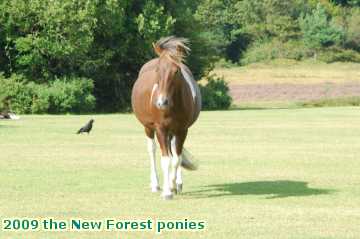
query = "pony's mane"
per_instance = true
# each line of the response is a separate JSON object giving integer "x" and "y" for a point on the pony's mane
{"x": 174, "y": 47}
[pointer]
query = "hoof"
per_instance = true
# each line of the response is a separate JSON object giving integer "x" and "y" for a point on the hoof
{"x": 179, "y": 188}
{"x": 168, "y": 197}
{"x": 155, "y": 189}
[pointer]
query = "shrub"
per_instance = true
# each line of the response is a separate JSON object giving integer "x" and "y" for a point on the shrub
{"x": 40, "y": 102}
{"x": 61, "y": 96}
{"x": 223, "y": 63}
{"x": 2, "y": 94}
{"x": 344, "y": 101}
{"x": 70, "y": 95}
{"x": 336, "y": 54}
{"x": 215, "y": 94}
{"x": 17, "y": 93}
{"x": 266, "y": 51}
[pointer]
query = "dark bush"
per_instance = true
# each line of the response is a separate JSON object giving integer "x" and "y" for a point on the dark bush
{"x": 215, "y": 94}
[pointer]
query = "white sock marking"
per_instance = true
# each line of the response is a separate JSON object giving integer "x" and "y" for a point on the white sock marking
{"x": 151, "y": 146}
{"x": 165, "y": 165}
{"x": 175, "y": 165}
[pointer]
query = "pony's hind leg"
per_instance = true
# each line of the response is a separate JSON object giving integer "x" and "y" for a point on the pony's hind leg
{"x": 151, "y": 146}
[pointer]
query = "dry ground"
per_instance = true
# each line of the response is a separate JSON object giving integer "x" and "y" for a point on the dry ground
{"x": 292, "y": 81}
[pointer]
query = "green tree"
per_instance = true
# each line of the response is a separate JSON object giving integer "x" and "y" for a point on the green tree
{"x": 319, "y": 31}
{"x": 353, "y": 29}
{"x": 103, "y": 41}
{"x": 347, "y": 2}
{"x": 237, "y": 24}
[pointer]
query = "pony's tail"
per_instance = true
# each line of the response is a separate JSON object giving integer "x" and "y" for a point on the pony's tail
{"x": 187, "y": 162}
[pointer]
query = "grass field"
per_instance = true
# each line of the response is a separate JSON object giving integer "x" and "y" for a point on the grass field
{"x": 292, "y": 72}
{"x": 290, "y": 173}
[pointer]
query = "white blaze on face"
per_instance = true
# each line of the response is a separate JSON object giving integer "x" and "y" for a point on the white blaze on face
{"x": 153, "y": 92}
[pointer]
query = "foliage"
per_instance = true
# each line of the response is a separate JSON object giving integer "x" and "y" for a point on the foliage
{"x": 332, "y": 102}
{"x": 215, "y": 94}
{"x": 70, "y": 95}
{"x": 318, "y": 31}
{"x": 105, "y": 41}
{"x": 347, "y": 2}
{"x": 2, "y": 95}
{"x": 17, "y": 93}
{"x": 60, "y": 96}
{"x": 246, "y": 21}
{"x": 353, "y": 29}
{"x": 256, "y": 30}
{"x": 275, "y": 49}
{"x": 339, "y": 55}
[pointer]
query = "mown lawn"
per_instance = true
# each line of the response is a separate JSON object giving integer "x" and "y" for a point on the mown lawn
{"x": 291, "y": 173}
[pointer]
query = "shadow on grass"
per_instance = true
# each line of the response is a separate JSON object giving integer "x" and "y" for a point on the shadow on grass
{"x": 271, "y": 189}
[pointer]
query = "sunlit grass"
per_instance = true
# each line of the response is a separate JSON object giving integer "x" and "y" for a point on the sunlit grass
{"x": 263, "y": 174}
{"x": 293, "y": 72}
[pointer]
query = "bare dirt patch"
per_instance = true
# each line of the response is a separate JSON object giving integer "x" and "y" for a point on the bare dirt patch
{"x": 292, "y": 92}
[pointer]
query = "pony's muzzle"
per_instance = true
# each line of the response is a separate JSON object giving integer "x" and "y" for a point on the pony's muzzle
{"x": 162, "y": 103}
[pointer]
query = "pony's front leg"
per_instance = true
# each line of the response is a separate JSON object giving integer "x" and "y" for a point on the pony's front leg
{"x": 165, "y": 163}
{"x": 153, "y": 174}
{"x": 151, "y": 147}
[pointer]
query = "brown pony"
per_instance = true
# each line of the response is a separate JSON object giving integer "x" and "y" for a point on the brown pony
{"x": 167, "y": 101}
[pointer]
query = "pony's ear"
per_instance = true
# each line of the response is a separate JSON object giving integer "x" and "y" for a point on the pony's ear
{"x": 157, "y": 49}
{"x": 179, "y": 73}
{"x": 181, "y": 50}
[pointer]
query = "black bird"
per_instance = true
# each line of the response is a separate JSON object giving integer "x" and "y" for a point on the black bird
{"x": 87, "y": 128}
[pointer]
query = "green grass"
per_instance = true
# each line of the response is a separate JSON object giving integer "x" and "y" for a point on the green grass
{"x": 344, "y": 101}
{"x": 274, "y": 173}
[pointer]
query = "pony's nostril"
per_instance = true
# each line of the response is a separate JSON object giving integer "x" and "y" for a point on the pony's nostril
{"x": 161, "y": 103}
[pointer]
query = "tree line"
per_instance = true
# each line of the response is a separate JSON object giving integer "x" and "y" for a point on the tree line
{"x": 255, "y": 30}
{"x": 60, "y": 56}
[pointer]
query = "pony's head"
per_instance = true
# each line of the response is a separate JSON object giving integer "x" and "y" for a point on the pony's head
{"x": 172, "y": 52}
